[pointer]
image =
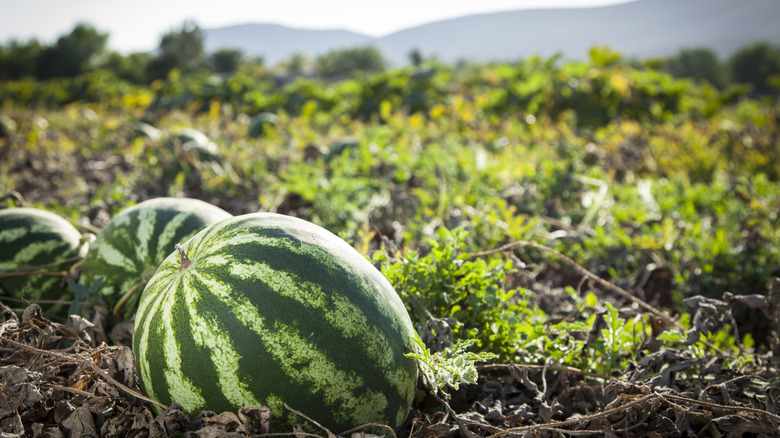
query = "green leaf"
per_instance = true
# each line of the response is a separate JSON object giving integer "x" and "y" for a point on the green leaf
{"x": 82, "y": 294}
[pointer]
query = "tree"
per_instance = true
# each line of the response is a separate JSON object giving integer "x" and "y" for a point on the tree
{"x": 72, "y": 54}
{"x": 603, "y": 56}
{"x": 253, "y": 66}
{"x": 18, "y": 59}
{"x": 131, "y": 68}
{"x": 297, "y": 64}
{"x": 226, "y": 60}
{"x": 699, "y": 64}
{"x": 416, "y": 58}
{"x": 347, "y": 62}
{"x": 180, "y": 49}
{"x": 755, "y": 64}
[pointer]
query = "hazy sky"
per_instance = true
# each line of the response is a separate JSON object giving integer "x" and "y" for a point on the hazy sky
{"x": 138, "y": 25}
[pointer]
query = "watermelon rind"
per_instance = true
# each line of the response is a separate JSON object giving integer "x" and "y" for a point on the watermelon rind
{"x": 131, "y": 246}
{"x": 273, "y": 310}
{"x": 32, "y": 237}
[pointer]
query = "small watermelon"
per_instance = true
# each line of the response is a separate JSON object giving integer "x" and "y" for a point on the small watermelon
{"x": 131, "y": 246}
{"x": 148, "y": 131}
{"x": 194, "y": 145}
{"x": 29, "y": 238}
{"x": 267, "y": 309}
{"x": 262, "y": 123}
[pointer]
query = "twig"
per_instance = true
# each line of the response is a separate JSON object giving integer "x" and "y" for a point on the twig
{"x": 719, "y": 406}
{"x": 127, "y": 296}
{"x": 28, "y": 302}
{"x": 363, "y": 426}
{"x": 558, "y": 426}
{"x": 294, "y": 434}
{"x": 122, "y": 386}
{"x": 462, "y": 424}
{"x": 327, "y": 431}
{"x": 554, "y": 367}
{"x": 579, "y": 420}
{"x": 47, "y": 265}
{"x": 20, "y": 273}
{"x": 580, "y": 269}
{"x": 69, "y": 389}
{"x": 614, "y": 288}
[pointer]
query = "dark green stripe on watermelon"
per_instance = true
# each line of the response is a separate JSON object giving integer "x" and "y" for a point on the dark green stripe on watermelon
{"x": 290, "y": 312}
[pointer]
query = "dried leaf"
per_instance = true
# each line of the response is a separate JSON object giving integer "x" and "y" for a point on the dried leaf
{"x": 11, "y": 423}
{"x": 754, "y": 301}
{"x": 255, "y": 420}
{"x": 62, "y": 410}
{"x": 32, "y": 315}
{"x": 12, "y": 375}
{"x": 170, "y": 422}
{"x": 125, "y": 366}
{"x": 127, "y": 424}
{"x": 226, "y": 421}
{"x": 76, "y": 328}
{"x": 80, "y": 424}
{"x": 122, "y": 333}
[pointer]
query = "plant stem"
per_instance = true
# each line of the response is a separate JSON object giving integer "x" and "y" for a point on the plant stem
{"x": 185, "y": 262}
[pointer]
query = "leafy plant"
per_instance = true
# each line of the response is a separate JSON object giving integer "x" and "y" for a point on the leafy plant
{"x": 449, "y": 368}
{"x": 83, "y": 294}
{"x": 448, "y": 283}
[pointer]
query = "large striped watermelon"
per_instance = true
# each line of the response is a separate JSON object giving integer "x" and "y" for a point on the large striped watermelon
{"x": 269, "y": 309}
{"x": 129, "y": 249}
{"x": 30, "y": 237}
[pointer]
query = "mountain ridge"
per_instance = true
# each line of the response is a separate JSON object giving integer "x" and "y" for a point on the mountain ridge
{"x": 638, "y": 29}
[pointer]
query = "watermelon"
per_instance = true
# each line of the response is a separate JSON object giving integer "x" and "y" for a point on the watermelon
{"x": 146, "y": 130}
{"x": 262, "y": 123}
{"x": 266, "y": 309}
{"x": 131, "y": 246}
{"x": 195, "y": 144}
{"x": 29, "y": 238}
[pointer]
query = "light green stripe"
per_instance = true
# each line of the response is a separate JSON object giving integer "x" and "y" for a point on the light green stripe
{"x": 11, "y": 234}
{"x": 180, "y": 387}
{"x": 112, "y": 256}
{"x": 352, "y": 323}
{"x": 146, "y": 222}
{"x": 29, "y": 252}
{"x": 283, "y": 283}
{"x": 164, "y": 244}
{"x": 43, "y": 228}
{"x": 147, "y": 309}
{"x": 230, "y": 239}
{"x": 103, "y": 249}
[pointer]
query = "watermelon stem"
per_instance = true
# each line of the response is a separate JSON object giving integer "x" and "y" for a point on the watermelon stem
{"x": 185, "y": 262}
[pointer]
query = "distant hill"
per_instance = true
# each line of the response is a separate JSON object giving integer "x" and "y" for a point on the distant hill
{"x": 276, "y": 43}
{"x": 641, "y": 29}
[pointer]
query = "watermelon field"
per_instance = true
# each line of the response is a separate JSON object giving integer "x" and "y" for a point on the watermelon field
{"x": 585, "y": 248}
